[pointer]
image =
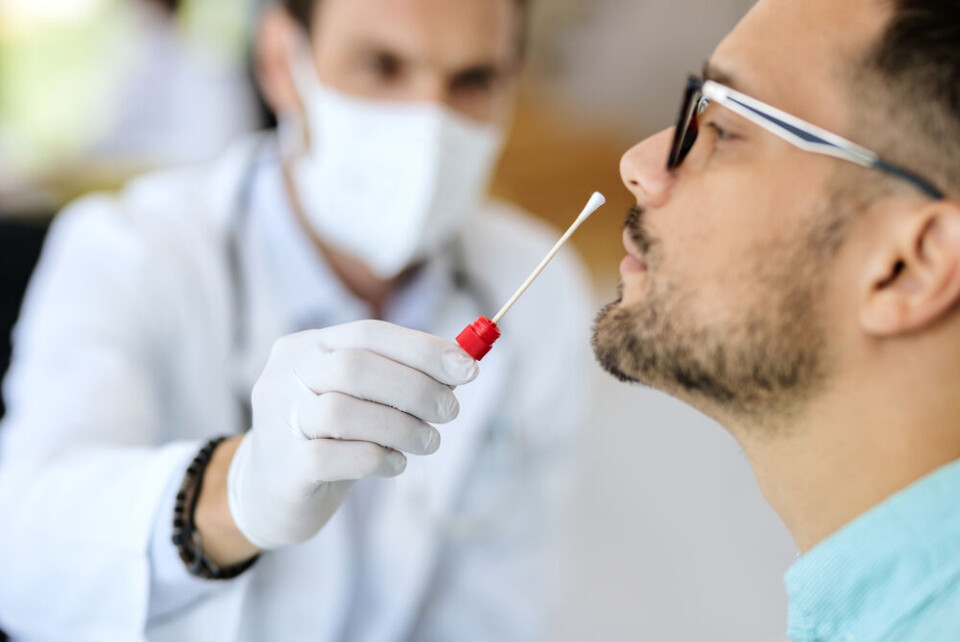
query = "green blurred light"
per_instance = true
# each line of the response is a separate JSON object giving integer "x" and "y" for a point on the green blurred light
{"x": 56, "y": 69}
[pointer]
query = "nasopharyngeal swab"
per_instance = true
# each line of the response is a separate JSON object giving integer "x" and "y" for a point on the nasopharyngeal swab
{"x": 478, "y": 338}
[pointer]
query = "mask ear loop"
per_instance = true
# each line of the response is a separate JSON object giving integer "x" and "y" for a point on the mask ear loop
{"x": 291, "y": 136}
{"x": 300, "y": 58}
{"x": 292, "y": 130}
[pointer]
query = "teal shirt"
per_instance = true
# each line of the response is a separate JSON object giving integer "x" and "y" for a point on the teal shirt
{"x": 892, "y": 575}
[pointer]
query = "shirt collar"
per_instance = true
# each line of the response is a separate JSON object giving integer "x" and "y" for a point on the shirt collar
{"x": 306, "y": 290}
{"x": 881, "y": 566}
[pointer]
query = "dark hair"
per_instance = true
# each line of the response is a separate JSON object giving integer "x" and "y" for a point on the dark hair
{"x": 302, "y": 11}
{"x": 913, "y": 76}
{"x": 170, "y": 6}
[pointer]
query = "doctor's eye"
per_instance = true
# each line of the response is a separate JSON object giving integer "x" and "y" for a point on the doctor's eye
{"x": 385, "y": 66}
{"x": 479, "y": 80}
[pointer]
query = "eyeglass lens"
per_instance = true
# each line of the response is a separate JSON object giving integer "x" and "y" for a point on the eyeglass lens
{"x": 687, "y": 128}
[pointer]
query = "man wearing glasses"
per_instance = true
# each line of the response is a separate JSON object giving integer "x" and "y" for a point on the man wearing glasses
{"x": 804, "y": 290}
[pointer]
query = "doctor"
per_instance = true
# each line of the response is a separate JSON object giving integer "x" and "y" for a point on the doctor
{"x": 203, "y": 302}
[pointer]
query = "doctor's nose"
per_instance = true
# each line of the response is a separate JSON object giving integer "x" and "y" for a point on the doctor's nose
{"x": 423, "y": 87}
{"x": 643, "y": 170}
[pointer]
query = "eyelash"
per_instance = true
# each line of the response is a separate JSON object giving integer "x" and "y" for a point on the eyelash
{"x": 722, "y": 134}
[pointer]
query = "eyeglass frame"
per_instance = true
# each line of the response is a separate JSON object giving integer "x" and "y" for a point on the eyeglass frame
{"x": 795, "y": 131}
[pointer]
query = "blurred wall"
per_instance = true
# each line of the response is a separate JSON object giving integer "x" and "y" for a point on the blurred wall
{"x": 625, "y": 62}
{"x": 93, "y": 92}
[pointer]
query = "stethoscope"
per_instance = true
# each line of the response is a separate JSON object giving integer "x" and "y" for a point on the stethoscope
{"x": 239, "y": 218}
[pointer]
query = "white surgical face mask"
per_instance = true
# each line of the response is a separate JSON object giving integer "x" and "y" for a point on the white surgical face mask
{"x": 388, "y": 183}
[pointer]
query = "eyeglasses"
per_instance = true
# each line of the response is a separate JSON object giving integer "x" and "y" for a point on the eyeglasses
{"x": 793, "y": 130}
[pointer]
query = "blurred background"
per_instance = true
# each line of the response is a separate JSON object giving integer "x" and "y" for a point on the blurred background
{"x": 669, "y": 538}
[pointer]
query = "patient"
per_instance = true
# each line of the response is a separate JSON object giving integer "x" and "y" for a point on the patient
{"x": 805, "y": 292}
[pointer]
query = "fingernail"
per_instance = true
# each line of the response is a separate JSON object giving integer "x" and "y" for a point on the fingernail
{"x": 460, "y": 366}
{"x": 448, "y": 408}
{"x": 397, "y": 461}
{"x": 431, "y": 442}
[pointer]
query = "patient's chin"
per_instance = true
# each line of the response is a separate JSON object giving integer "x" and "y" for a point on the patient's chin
{"x": 612, "y": 338}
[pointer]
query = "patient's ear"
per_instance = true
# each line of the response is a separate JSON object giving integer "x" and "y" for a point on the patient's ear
{"x": 914, "y": 274}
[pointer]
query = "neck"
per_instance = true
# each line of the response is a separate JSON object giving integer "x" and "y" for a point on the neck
{"x": 850, "y": 451}
{"x": 352, "y": 273}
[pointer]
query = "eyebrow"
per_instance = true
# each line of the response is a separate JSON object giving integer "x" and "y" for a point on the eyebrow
{"x": 718, "y": 75}
{"x": 371, "y": 47}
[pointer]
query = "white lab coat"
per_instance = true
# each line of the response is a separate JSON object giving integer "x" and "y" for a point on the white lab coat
{"x": 123, "y": 364}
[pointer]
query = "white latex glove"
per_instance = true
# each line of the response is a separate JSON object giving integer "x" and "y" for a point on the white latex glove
{"x": 333, "y": 406}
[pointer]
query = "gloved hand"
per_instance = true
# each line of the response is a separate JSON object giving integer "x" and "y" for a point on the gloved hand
{"x": 333, "y": 406}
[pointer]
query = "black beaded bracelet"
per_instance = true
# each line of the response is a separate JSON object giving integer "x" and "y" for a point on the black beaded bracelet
{"x": 186, "y": 537}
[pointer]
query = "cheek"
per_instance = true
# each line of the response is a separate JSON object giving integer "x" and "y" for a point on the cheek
{"x": 490, "y": 107}
{"x": 341, "y": 72}
{"x": 846, "y": 286}
{"x": 728, "y": 231}
{"x": 718, "y": 247}
{"x": 701, "y": 238}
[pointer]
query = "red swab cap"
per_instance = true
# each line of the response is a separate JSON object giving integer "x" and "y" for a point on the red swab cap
{"x": 478, "y": 338}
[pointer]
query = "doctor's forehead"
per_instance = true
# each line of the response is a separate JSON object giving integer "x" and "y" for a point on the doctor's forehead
{"x": 447, "y": 32}
{"x": 798, "y": 54}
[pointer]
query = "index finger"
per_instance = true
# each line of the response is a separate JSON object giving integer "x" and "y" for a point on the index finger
{"x": 443, "y": 360}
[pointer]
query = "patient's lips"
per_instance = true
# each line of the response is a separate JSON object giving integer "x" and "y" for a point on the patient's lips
{"x": 632, "y": 265}
{"x": 633, "y": 262}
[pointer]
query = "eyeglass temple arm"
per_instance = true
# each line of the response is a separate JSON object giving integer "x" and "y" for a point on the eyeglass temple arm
{"x": 808, "y": 136}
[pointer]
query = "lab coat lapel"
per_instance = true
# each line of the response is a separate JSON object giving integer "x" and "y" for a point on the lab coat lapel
{"x": 408, "y": 538}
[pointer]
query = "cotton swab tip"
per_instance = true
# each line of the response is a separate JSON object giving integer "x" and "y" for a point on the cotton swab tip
{"x": 596, "y": 202}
